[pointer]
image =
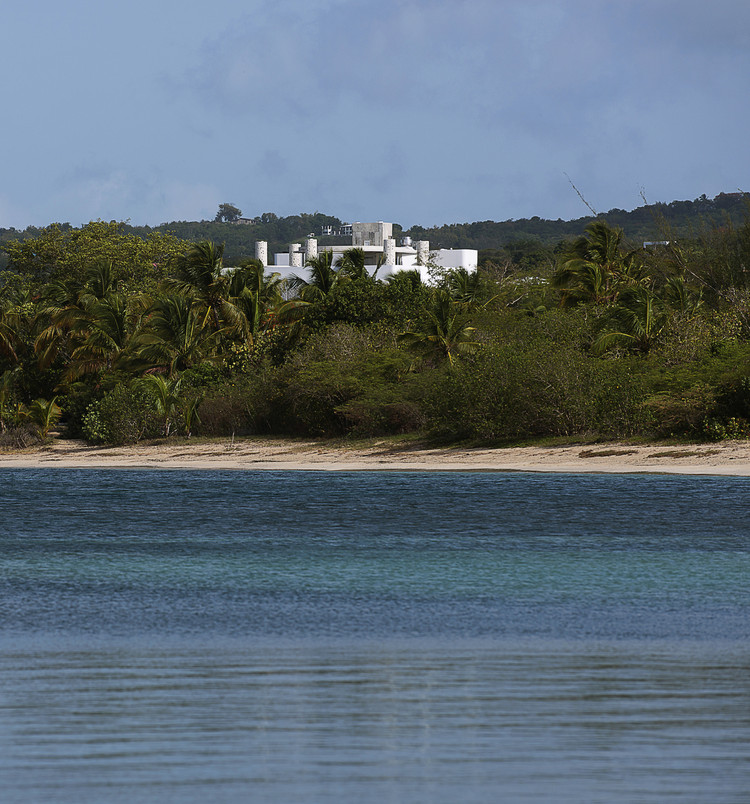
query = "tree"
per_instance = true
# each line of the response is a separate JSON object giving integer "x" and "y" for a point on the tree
{"x": 352, "y": 264}
{"x": 173, "y": 336}
{"x": 469, "y": 288}
{"x": 8, "y": 329}
{"x": 165, "y": 394}
{"x": 6, "y": 395}
{"x": 69, "y": 310}
{"x": 103, "y": 334}
{"x": 254, "y": 294}
{"x": 594, "y": 268}
{"x": 44, "y": 414}
{"x": 228, "y": 213}
{"x": 444, "y": 334}
{"x": 67, "y": 253}
{"x": 198, "y": 274}
{"x": 634, "y": 323}
{"x": 323, "y": 278}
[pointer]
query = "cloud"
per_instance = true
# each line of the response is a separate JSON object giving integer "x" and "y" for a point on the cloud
{"x": 113, "y": 193}
{"x": 411, "y": 109}
{"x": 302, "y": 60}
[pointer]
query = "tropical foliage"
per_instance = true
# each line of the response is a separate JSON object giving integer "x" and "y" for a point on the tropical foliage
{"x": 598, "y": 337}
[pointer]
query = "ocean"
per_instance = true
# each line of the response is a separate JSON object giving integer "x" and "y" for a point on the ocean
{"x": 373, "y": 636}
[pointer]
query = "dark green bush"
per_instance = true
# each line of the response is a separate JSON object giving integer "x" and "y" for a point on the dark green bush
{"x": 544, "y": 389}
{"x": 125, "y": 415}
{"x": 243, "y": 405}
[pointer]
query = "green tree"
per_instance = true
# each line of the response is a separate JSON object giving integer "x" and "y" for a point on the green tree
{"x": 444, "y": 334}
{"x": 228, "y": 213}
{"x": 64, "y": 253}
{"x": 471, "y": 289}
{"x": 7, "y": 389}
{"x": 44, "y": 414}
{"x": 255, "y": 294}
{"x": 8, "y": 329}
{"x": 351, "y": 264}
{"x": 172, "y": 337}
{"x": 198, "y": 275}
{"x": 102, "y": 334}
{"x": 634, "y": 323}
{"x": 165, "y": 393}
{"x": 595, "y": 268}
{"x": 69, "y": 311}
{"x": 323, "y": 278}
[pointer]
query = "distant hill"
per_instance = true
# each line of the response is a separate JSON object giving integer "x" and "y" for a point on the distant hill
{"x": 683, "y": 219}
{"x": 679, "y": 219}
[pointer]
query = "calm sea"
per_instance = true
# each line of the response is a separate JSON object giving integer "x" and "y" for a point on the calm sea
{"x": 178, "y": 636}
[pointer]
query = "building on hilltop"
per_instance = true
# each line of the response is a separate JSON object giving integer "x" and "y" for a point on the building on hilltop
{"x": 380, "y": 248}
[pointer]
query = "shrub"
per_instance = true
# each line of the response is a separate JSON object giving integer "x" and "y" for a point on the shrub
{"x": 20, "y": 437}
{"x": 243, "y": 405}
{"x": 346, "y": 380}
{"x": 544, "y": 389}
{"x": 123, "y": 416}
{"x": 680, "y": 412}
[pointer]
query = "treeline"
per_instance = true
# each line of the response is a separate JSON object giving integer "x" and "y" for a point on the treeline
{"x": 650, "y": 222}
{"x": 115, "y": 337}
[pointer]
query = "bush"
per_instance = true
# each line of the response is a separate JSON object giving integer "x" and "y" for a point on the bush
{"x": 347, "y": 380}
{"x": 682, "y": 412}
{"x": 544, "y": 389}
{"x": 243, "y": 406}
{"x": 20, "y": 437}
{"x": 123, "y": 416}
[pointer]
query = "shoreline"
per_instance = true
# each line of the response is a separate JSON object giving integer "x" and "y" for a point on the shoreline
{"x": 731, "y": 458}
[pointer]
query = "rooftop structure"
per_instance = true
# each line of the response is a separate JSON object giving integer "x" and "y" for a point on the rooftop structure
{"x": 380, "y": 248}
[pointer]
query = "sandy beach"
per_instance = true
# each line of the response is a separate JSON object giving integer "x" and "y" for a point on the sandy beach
{"x": 727, "y": 458}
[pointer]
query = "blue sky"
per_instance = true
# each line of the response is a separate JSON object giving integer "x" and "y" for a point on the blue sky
{"x": 414, "y": 111}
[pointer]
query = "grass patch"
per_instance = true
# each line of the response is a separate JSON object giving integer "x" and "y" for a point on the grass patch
{"x": 683, "y": 453}
{"x": 606, "y": 453}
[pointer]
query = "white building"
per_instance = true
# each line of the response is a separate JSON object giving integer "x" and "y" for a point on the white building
{"x": 379, "y": 246}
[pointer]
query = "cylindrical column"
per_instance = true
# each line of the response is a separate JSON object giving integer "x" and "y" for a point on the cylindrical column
{"x": 311, "y": 249}
{"x": 389, "y": 251}
{"x": 295, "y": 255}
{"x": 261, "y": 252}
{"x": 423, "y": 252}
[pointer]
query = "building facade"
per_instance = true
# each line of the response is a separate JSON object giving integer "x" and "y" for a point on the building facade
{"x": 382, "y": 253}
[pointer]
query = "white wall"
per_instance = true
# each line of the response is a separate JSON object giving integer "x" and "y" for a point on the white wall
{"x": 467, "y": 258}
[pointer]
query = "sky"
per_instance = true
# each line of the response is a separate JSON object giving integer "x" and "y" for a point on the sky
{"x": 412, "y": 111}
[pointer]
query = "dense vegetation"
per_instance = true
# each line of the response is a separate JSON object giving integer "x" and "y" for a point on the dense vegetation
{"x": 117, "y": 335}
{"x": 678, "y": 219}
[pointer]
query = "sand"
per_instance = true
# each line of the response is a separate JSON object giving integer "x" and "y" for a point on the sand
{"x": 727, "y": 458}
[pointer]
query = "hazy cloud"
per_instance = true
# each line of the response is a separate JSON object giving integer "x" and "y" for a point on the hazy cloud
{"x": 411, "y": 109}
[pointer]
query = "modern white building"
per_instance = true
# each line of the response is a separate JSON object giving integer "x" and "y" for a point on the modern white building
{"x": 380, "y": 248}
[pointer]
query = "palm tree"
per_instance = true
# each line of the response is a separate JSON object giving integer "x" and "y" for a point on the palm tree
{"x": 101, "y": 333}
{"x": 444, "y": 334}
{"x": 172, "y": 336}
{"x": 681, "y": 297}
{"x": 6, "y": 394}
{"x": 634, "y": 323}
{"x": 254, "y": 294}
{"x": 198, "y": 274}
{"x": 8, "y": 329}
{"x": 190, "y": 413}
{"x": 468, "y": 288}
{"x": 595, "y": 268}
{"x": 44, "y": 414}
{"x": 166, "y": 396}
{"x": 323, "y": 278}
{"x": 351, "y": 264}
{"x": 66, "y": 310}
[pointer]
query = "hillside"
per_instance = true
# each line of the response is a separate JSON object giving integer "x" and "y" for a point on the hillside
{"x": 661, "y": 221}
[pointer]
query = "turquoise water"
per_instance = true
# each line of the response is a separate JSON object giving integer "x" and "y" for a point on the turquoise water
{"x": 436, "y": 637}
